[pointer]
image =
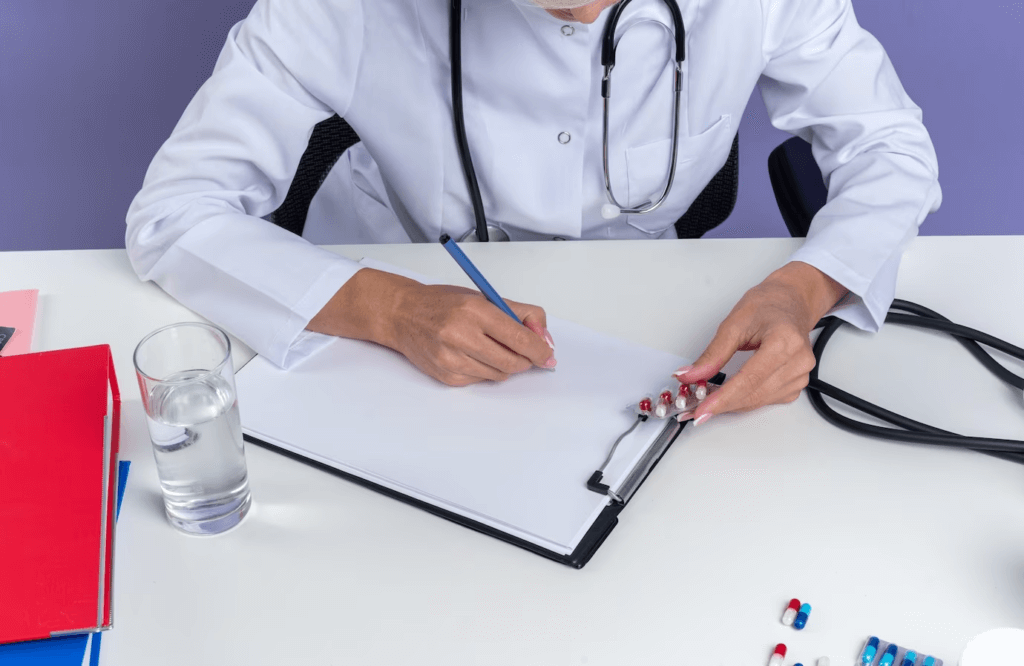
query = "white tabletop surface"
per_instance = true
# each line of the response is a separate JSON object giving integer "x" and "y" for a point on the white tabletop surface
{"x": 919, "y": 546}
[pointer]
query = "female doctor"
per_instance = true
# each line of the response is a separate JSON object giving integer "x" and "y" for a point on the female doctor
{"x": 533, "y": 118}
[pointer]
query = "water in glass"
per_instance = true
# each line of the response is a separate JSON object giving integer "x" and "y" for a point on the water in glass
{"x": 197, "y": 442}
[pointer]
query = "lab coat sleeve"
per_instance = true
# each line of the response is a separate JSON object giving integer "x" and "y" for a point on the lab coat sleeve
{"x": 195, "y": 228}
{"x": 830, "y": 82}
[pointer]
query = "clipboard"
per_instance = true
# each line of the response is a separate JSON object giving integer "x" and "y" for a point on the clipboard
{"x": 595, "y": 536}
{"x": 280, "y": 411}
{"x": 510, "y": 460}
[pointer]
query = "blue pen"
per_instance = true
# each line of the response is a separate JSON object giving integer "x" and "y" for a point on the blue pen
{"x": 479, "y": 280}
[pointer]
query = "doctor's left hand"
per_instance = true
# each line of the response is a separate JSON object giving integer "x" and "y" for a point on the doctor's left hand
{"x": 453, "y": 334}
{"x": 774, "y": 318}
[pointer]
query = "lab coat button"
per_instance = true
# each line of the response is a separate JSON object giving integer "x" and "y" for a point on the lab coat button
{"x": 564, "y": 138}
{"x": 568, "y": 30}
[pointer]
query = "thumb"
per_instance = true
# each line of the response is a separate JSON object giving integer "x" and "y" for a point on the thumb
{"x": 718, "y": 352}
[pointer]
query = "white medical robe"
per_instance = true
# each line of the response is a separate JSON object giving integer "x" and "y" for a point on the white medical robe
{"x": 533, "y": 118}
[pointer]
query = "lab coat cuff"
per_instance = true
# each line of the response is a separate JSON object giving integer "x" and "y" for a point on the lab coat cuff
{"x": 293, "y": 343}
{"x": 868, "y": 301}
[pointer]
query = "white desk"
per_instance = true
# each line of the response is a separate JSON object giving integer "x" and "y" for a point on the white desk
{"x": 915, "y": 545}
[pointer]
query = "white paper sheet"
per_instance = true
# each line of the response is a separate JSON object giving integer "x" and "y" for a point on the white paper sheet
{"x": 514, "y": 455}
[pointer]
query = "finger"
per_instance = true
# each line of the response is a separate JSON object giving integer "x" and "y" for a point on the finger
{"x": 745, "y": 390}
{"x": 518, "y": 339}
{"x": 535, "y": 319}
{"x": 458, "y": 369}
{"x": 444, "y": 376}
{"x": 475, "y": 368}
{"x": 721, "y": 348}
{"x": 492, "y": 354}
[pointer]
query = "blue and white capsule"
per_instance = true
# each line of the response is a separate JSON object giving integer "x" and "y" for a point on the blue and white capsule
{"x": 870, "y": 650}
{"x": 801, "y": 617}
{"x": 889, "y": 657}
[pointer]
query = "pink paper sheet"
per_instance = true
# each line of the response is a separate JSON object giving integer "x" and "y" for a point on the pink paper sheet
{"x": 18, "y": 311}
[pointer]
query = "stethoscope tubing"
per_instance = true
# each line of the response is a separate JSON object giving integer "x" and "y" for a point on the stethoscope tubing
{"x": 458, "y": 115}
{"x": 913, "y": 431}
{"x": 608, "y": 49}
{"x": 608, "y": 46}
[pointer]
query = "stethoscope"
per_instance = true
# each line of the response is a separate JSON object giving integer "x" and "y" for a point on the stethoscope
{"x": 612, "y": 209}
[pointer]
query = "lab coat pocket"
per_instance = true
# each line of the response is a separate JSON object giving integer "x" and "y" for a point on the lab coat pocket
{"x": 376, "y": 220}
{"x": 698, "y": 159}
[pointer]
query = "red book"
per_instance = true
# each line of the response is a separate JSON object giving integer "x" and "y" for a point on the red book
{"x": 59, "y": 425}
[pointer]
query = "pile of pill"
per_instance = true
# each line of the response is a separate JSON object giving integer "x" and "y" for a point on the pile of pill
{"x": 683, "y": 401}
{"x": 796, "y": 614}
{"x": 890, "y": 654}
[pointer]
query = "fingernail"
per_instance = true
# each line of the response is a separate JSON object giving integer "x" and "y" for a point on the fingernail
{"x": 550, "y": 363}
{"x": 701, "y": 419}
{"x": 548, "y": 339}
{"x": 683, "y": 370}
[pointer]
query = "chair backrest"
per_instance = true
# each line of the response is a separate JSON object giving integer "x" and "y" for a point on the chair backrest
{"x": 715, "y": 203}
{"x": 799, "y": 188}
{"x": 329, "y": 140}
{"x": 334, "y": 136}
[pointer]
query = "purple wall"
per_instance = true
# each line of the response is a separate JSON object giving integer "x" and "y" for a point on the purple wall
{"x": 963, "y": 65}
{"x": 90, "y": 89}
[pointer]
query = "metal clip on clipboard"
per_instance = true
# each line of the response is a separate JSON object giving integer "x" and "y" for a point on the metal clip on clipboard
{"x": 647, "y": 461}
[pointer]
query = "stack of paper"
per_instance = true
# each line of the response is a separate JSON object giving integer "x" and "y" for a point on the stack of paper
{"x": 514, "y": 456}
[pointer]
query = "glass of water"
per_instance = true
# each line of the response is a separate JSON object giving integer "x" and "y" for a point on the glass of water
{"x": 188, "y": 390}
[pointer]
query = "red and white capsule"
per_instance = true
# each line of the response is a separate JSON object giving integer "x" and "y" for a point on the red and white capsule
{"x": 645, "y": 406}
{"x": 791, "y": 611}
{"x": 778, "y": 656}
{"x": 700, "y": 390}
{"x": 681, "y": 397}
{"x": 664, "y": 402}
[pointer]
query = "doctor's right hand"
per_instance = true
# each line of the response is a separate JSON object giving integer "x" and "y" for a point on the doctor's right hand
{"x": 453, "y": 334}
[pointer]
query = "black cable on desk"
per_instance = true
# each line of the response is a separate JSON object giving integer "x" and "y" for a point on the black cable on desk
{"x": 914, "y": 431}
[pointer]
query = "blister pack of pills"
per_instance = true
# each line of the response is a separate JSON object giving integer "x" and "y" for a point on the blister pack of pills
{"x": 880, "y": 653}
{"x": 681, "y": 402}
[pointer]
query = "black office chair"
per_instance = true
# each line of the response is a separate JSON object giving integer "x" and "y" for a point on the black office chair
{"x": 334, "y": 136}
{"x": 328, "y": 141}
{"x": 796, "y": 180}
